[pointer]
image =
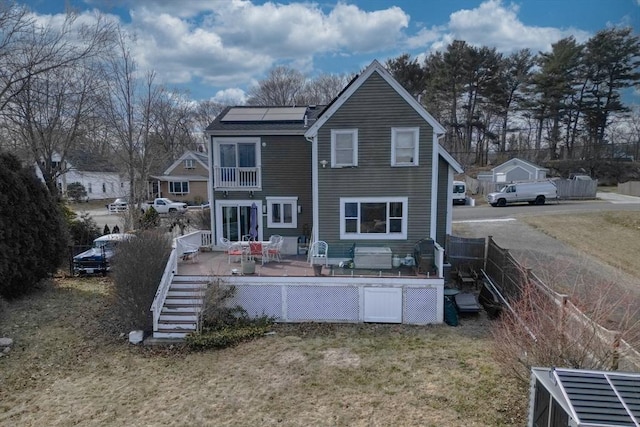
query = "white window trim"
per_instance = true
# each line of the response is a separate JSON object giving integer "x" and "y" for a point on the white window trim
{"x": 375, "y": 236}
{"x": 189, "y": 164}
{"x": 354, "y": 135}
{"x": 169, "y": 185}
{"x": 293, "y": 201}
{"x": 416, "y": 151}
{"x": 231, "y": 140}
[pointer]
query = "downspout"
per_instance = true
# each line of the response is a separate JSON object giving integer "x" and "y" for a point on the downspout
{"x": 211, "y": 193}
{"x": 314, "y": 187}
{"x": 434, "y": 186}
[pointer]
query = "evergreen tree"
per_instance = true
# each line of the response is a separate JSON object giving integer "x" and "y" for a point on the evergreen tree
{"x": 33, "y": 236}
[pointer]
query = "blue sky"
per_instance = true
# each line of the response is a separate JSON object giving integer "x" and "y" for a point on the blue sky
{"x": 217, "y": 49}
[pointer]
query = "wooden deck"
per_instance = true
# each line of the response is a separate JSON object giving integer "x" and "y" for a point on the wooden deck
{"x": 216, "y": 264}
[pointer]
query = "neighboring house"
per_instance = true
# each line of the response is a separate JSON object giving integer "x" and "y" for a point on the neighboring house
{"x": 98, "y": 174}
{"x": 366, "y": 169}
{"x": 184, "y": 181}
{"x": 515, "y": 170}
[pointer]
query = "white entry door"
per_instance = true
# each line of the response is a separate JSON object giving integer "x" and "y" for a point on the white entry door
{"x": 383, "y": 305}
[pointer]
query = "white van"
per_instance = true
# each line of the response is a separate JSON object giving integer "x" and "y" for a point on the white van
{"x": 533, "y": 192}
{"x": 459, "y": 193}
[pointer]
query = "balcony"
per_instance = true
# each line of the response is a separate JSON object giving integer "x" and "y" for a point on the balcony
{"x": 235, "y": 178}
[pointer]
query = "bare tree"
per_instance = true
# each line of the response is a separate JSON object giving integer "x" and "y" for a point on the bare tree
{"x": 127, "y": 110}
{"x": 543, "y": 328}
{"x": 282, "y": 87}
{"x": 28, "y": 50}
{"x": 172, "y": 114}
{"x": 203, "y": 114}
{"x": 48, "y": 83}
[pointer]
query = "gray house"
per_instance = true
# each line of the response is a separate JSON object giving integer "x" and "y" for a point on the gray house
{"x": 515, "y": 170}
{"x": 380, "y": 177}
{"x": 367, "y": 168}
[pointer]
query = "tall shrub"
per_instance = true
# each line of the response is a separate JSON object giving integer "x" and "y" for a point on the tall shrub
{"x": 33, "y": 235}
{"x": 137, "y": 268}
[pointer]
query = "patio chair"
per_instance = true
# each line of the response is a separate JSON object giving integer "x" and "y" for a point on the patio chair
{"x": 189, "y": 252}
{"x": 319, "y": 251}
{"x": 255, "y": 249}
{"x": 235, "y": 250}
{"x": 275, "y": 247}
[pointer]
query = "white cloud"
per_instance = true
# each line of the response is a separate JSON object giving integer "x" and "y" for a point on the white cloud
{"x": 231, "y": 96}
{"x": 495, "y": 25}
{"x": 228, "y": 42}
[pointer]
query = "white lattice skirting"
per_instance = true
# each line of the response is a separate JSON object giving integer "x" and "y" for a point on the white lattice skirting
{"x": 409, "y": 301}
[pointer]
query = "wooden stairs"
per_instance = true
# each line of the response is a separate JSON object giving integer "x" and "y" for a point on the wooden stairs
{"x": 179, "y": 315}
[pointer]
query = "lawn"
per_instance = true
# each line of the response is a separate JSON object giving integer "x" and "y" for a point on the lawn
{"x": 69, "y": 366}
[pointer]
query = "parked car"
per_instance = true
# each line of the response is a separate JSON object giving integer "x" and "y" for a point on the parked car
{"x": 532, "y": 192}
{"x": 96, "y": 259}
{"x": 163, "y": 205}
{"x": 118, "y": 205}
{"x": 459, "y": 193}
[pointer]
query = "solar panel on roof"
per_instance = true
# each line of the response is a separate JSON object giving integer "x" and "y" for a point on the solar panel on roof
{"x": 264, "y": 114}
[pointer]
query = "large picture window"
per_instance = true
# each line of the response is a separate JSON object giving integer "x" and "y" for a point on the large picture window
{"x": 344, "y": 148}
{"x": 373, "y": 218}
{"x": 282, "y": 212}
{"x": 404, "y": 146}
{"x": 179, "y": 187}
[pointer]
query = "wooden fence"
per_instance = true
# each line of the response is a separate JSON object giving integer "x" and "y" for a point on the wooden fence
{"x": 509, "y": 276}
{"x": 568, "y": 189}
{"x": 630, "y": 188}
{"x": 465, "y": 253}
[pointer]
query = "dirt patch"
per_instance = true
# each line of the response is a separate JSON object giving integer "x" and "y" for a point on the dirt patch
{"x": 341, "y": 358}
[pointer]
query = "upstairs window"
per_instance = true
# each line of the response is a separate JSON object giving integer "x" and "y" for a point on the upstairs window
{"x": 344, "y": 148}
{"x": 404, "y": 146}
{"x": 189, "y": 164}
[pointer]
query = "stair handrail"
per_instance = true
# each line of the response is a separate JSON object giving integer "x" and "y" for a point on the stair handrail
{"x": 163, "y": 288}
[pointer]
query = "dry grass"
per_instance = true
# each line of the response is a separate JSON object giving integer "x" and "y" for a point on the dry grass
{"x": 612, "y": 237}
{"x": 67, "y": 368}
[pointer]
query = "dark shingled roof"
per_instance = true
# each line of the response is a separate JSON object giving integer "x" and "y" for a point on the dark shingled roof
{"x": 258, "y": 127}
{"x": 87, "y": 160}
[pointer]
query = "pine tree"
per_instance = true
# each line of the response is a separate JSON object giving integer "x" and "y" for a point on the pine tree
{"x": 33, "y": 236}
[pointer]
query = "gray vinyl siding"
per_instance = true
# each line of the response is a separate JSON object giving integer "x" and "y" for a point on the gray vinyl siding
{"x": 443, "y": 206}
{"x": 286, "y": 172}
{"x": 374, "y": 109}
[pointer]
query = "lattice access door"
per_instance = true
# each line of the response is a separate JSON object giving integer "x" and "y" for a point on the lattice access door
{"x": 383, "y": 305}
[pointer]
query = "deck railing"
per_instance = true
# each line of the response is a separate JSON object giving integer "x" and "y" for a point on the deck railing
{"x": 163, "y": 288}
{"x": 229, "y": 178}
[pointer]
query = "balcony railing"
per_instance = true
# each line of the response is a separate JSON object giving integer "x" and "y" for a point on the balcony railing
{"x": 237, "y": 178}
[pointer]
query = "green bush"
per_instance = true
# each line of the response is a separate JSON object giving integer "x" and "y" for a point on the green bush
{"x": 137, "y": 267}
{"x": 83, "y": 231}
{"x": 33, "y": 235}
{"x": 76, "y": 192}
{"x": 150, "y": 219}
{"x": 224, "y": 325}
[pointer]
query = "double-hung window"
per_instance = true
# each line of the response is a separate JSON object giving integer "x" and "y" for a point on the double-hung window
{"x": 404, "y": 146}
{"x": 282, "y": 212}
{"x": 344, "y": 148}
{"x": 383, "y": 218}
{"x": 179, "y": 187}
